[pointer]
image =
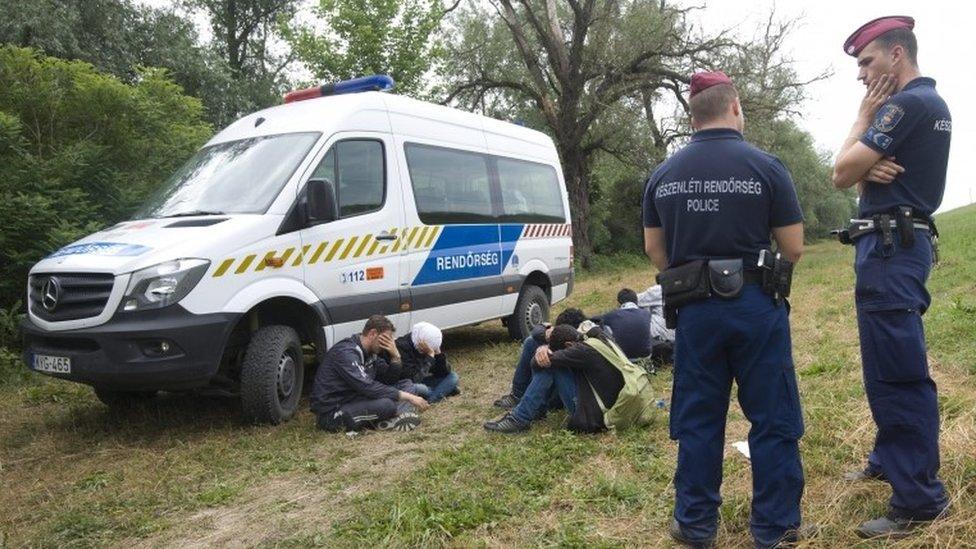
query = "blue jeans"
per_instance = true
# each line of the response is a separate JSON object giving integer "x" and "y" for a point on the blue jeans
{"x": 523, "y": 370}
{"x": 435, "y": 388}
{"x": 537, "y": 396}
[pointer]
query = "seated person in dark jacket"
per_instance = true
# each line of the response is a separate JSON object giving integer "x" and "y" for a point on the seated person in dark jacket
{"x": 577, "y": 370}
{"x": 534, "y": 345}
{"x": 347, "y": 397}
{"x": 420, "y": 361}
{"x": 630, "y": 325}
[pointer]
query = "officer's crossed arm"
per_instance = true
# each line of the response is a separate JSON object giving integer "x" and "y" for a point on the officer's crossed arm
{"x": 856, "y": 159}
{"x": 654, "y": 247}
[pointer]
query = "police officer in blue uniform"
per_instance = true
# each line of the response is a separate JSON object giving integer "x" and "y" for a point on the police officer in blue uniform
{"x": 708, "y": 212}
{"x": 897, "y": 154}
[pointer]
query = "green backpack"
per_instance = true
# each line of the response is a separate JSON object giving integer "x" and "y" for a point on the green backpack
{"x": 635, "y": 403}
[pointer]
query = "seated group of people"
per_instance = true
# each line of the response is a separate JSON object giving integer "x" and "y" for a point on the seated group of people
{"x": 371, "y": 380}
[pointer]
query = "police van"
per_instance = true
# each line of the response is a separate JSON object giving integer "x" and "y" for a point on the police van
{"x": 288, "y": 229}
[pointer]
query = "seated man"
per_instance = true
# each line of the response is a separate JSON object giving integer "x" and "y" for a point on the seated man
{"x": 420, "y": 361}
{"x": 581, "y": 374}
{"x": 346, "y": 396}
{"x": 530, "y": 347}
{"x": 662, "y": 337}
{"x": 630, "y": 325}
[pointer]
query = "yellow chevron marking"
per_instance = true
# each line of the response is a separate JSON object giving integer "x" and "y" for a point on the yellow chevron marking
{"x": 264, "y": 262}
{"x": 399, "y": 241}
{"x": 318, "y": 252}
{"x": 352, "y": 242}
{"x": 376, "y": 244}
{"x": 301, "y": 256}
{"x": 245, "y": 264}
{"x": 433, "y": 234}
{"x": 362, "y": 246}
{"x": 335, "y": 248}
{"x": 385, "y": 247}
{"x": 286, "y": 255}
{"x": 223, "y": 267}
{"x": 420, "y": 238}
{"x": 406, "y": 244}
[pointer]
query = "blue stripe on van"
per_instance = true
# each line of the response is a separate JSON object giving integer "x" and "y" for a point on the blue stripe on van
{"x": 468, "y": 251}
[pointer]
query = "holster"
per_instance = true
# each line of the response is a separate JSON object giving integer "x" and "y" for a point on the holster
{"x": 777, "y": 279}
{"x": 906, "y": 227}
{"x": 883, "y": 224}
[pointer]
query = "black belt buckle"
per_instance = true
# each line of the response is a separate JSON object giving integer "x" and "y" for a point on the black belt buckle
{"x": 906, "y": 226}
{"x": 882, "y": 222}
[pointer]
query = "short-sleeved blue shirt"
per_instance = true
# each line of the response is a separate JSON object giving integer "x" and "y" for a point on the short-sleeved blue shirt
{"x": 915, "y": 127}
{"x": 719, "y": 197}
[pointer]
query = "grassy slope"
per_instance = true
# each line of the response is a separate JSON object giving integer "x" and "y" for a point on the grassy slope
{"x": 183, "y": 470}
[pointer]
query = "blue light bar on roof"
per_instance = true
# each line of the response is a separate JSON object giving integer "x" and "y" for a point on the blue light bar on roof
{"x": 377, "y": 82}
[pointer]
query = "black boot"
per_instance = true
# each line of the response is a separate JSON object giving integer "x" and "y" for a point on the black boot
{"x": 679, "y": 536}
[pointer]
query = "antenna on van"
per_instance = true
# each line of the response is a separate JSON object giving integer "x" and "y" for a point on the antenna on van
{"x": 377, "y": 82}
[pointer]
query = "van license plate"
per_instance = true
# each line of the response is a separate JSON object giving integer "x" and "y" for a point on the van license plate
{"x": 53, "y": 364}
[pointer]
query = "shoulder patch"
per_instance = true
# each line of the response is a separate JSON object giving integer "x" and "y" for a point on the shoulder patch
{"x": 881, "y": 139}
{"x": 888, "y": 117}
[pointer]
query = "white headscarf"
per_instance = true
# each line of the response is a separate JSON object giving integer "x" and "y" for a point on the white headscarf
{"x": 425, "y": 332}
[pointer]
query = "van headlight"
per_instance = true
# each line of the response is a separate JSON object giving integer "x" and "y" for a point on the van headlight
{"x": 163, "y": 285}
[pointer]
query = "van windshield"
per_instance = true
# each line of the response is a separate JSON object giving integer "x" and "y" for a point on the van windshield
{"x": 241, "y": 176}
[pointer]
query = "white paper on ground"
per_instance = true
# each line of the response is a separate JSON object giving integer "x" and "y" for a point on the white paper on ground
{"x": 743, "y": 448}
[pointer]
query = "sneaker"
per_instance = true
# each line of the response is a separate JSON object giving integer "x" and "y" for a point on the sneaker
{"x": 507, "y": 424}
{"x": 885, "y": 527}
{"x": 507, "y": 402}
{"x": 455, "y": 392}
{"x": 407, "y": 421}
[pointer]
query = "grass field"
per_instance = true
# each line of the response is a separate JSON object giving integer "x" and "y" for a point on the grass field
{"x": 184, "y": 471}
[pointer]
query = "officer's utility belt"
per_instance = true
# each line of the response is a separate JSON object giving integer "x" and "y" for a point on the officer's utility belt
{"x": 901, "y": 220}
{"x": 703, "y": 278}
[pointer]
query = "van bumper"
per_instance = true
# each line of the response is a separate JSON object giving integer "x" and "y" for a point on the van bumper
{"x": 127, "y": 352}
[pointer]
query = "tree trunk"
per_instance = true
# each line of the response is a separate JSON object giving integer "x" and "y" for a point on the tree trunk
{"x": 576, "y": 171}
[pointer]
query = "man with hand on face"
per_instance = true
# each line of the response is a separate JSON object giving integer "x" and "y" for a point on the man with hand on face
{"x": 346, "y": 395}
{"x": 896, "y": 153}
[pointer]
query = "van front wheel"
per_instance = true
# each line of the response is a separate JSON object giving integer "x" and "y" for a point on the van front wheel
{"x": 531, "y": 309}
{"x": 272, "y": 375}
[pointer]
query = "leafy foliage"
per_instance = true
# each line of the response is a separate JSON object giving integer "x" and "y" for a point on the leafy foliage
{"x": 79, "y": 150}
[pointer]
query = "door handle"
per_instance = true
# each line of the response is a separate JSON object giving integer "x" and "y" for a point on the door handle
{"x": 386, "y": 237}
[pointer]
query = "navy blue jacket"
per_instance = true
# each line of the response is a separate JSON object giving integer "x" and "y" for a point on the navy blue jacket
{"x": 413, "y": 365}
{"x": 346, "y": 375}
{"x": 631, "y": 329}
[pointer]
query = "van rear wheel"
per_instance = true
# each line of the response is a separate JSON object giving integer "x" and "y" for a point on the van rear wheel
{"x": 272, "y": 375}
{"x": 531, "y": 309}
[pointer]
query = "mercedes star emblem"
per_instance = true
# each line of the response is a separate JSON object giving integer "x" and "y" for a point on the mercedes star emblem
{"x": 51, "y": 294}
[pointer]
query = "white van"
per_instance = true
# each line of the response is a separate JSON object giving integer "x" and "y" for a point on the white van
{"x": 292, "y": 226}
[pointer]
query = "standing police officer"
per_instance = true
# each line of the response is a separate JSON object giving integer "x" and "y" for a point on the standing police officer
{"x": 708, "y": 211}
{"x": 897, "y": 153}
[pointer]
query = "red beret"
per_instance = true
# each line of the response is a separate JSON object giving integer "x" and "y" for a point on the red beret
{"x": 701, "y": 81}
{"x": 873, "y": 29}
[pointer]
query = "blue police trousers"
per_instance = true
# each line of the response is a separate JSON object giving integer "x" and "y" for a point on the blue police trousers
{"x": 746, "y": 339}
{"x": 891, "y": 298}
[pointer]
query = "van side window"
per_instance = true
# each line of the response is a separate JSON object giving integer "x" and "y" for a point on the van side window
{"x": 358, "y": 167}
{"x": 450, "y": 186}
{"x": 530, "y": 193}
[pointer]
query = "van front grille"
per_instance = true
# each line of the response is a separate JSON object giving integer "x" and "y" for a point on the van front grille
{"x": 57, "y": 297}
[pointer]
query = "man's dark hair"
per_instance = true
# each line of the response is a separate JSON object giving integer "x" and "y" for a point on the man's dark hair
{"x": 711, "y": 103}
{"x": 900, "y": 37}
{"x": 572, "y": 316}
{"x": 561, "y": 335}
{"x": 379, "y": 323}
{"x": 626, "y": 296}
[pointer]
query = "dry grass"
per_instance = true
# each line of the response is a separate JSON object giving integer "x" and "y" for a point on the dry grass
{"x": 184, "y": 472}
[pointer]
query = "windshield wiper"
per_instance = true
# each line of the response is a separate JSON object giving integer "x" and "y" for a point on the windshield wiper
{"x": 193, "y": 213}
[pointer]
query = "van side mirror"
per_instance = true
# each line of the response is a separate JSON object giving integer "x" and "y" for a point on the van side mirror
{"x": 320, "y": 201}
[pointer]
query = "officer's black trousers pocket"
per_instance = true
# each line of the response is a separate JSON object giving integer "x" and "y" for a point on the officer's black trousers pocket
{"x": 893, "y": 345}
